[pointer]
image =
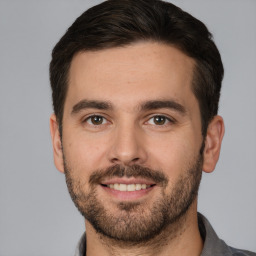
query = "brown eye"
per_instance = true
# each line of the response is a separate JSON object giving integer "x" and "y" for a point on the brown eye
{"x": 159, "y": 120}
{"x": 96, "y": 120}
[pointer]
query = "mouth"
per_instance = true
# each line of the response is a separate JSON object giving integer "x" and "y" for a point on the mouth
{"x": 127, "y": 189}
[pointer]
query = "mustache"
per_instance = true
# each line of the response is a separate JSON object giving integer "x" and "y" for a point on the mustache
{"x": 120, "y": 171}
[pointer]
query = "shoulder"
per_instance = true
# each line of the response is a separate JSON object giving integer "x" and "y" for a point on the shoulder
{"x": 213, "y": 245}
{"x": 239, "y": 252}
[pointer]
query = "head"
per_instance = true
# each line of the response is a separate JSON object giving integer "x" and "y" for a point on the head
{"x": 119, "y": 23}
{"x": 135, "y": 89}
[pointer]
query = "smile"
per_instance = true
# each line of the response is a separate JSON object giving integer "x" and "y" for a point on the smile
{"x": 127, "y": 187}
{"x": 124, "y": 188}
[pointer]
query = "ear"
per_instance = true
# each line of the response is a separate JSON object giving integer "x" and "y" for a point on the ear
{"x": 56, "y": 143}
{"x": 213, "y": 140}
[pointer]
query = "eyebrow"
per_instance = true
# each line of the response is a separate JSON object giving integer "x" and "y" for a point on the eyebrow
{"x": 85, "y": 104}
{"x": 145, "y": 106}
{"x": 169, "y": 104}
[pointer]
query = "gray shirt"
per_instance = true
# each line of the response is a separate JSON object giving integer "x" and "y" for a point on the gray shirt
{"x": 213, "y": 246}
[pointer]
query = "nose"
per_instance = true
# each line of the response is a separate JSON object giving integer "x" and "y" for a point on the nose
{"x": 127, "y": 146}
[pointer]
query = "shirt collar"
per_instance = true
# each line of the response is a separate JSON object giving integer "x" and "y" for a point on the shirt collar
{"x": 81, "y": 246}
{"x": 212, "y": 244}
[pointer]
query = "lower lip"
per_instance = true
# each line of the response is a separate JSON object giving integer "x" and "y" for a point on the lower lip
{"x": 128, "y": 195}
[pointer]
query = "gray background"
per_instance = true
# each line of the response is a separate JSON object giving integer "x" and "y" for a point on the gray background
{"x": 37, "y": 216}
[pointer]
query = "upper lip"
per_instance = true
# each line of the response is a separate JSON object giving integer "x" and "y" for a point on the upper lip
{"x": 125, "y": 180}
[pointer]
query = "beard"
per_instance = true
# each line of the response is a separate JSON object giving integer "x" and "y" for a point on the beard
{"x": 136, "y": 222}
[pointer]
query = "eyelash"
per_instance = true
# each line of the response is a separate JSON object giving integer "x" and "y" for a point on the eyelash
{"x": 167, "y": 119}
{"x": 92, "y": 116}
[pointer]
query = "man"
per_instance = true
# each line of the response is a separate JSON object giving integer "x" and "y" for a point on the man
{"x": 135, "y": 87}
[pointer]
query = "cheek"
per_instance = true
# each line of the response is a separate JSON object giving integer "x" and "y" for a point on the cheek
{"x": 84, "y": 153}
{"x": 172, "y": 154}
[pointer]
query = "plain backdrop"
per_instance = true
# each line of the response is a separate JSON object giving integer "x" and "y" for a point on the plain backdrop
{"x": 37, "y": 216}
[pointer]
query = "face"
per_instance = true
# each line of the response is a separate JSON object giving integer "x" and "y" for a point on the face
{"x": 131, "y": 139}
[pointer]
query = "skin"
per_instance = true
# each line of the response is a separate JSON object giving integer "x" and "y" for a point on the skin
{"x": 127, "y": 77}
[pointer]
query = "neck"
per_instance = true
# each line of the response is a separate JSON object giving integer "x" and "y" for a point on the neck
{"x": 179, "y": 238}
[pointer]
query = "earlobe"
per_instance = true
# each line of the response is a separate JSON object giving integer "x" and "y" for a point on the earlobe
{"x": 56, "y": 143}
{"x": 213, "y": 140}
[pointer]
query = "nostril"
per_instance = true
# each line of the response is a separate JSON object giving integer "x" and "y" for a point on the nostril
{"x": 114, "y": 160}
{"x": 126, "y": 162}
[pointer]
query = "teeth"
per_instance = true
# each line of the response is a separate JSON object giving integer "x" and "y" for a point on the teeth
{"x": 131, "y": 187}
{"x": 138, "y": 186}
{"x": 123, "y": 187}
{"x": 143, "y": 186}
{"x": 128, "y": 187}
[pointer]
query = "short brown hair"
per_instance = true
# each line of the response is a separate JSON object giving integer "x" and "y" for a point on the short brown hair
{"x": 116, "y": 23}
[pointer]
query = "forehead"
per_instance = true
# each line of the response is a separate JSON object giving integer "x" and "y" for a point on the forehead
{"x": 138, "y": 72}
